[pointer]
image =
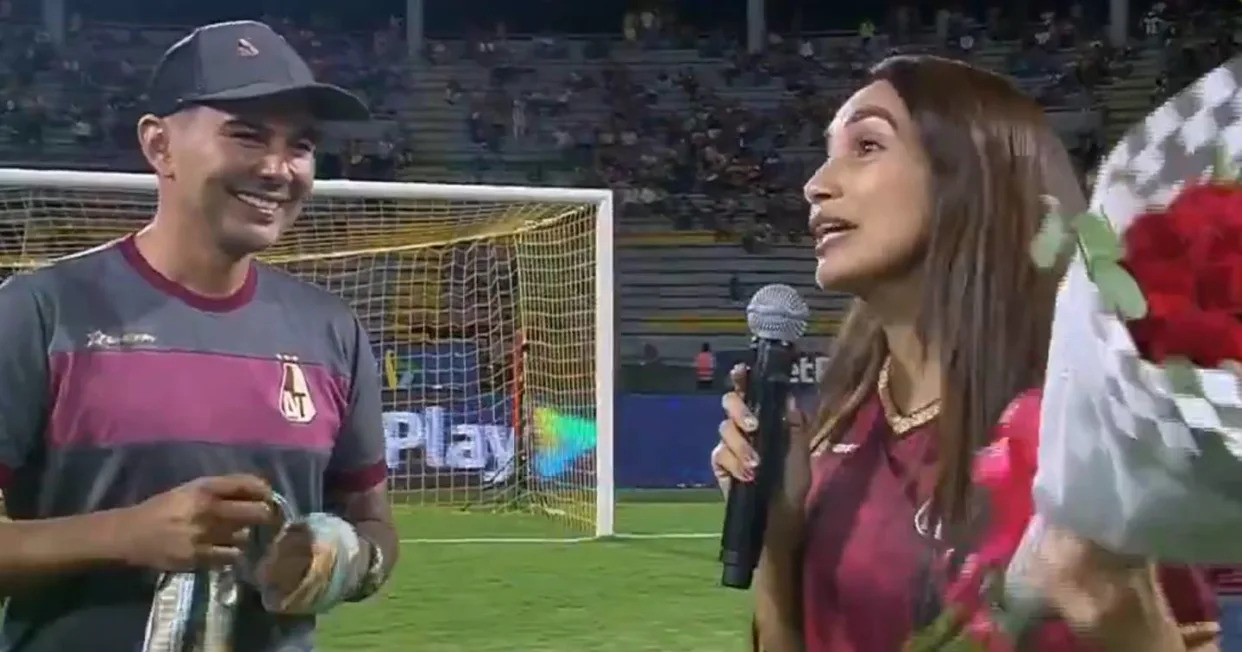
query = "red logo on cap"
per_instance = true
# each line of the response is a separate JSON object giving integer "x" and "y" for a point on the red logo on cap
{"x": 246, "y": 48}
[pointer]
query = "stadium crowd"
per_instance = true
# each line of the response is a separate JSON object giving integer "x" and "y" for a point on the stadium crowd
{"x": 737, "y": 153}
{"x": 723, "y": 148}
{"x": 688, "y": 125}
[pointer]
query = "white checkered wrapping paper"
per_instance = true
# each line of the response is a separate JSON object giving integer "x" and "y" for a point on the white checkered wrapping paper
{"x": 1125, "y": 460}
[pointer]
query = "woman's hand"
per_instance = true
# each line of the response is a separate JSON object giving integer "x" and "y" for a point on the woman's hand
{"x": 734, "y": 458}
{"x": 777, "y": 600}
{"x": 1106, "y": 596}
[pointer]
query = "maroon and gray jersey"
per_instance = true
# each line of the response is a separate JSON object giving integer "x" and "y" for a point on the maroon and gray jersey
{"x": 117, "y": 384}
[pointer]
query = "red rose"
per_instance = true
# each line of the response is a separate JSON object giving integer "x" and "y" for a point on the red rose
{"x": 1161, "y": 304}
{"x": 1006, "y": 467}
{"x": 1148, "y": 339}
{"x": 1168, "y": 285}
{"x": 1152, "y": 236}
{"x": 1217, "y": 241}
{"x": 1205, "y": 205}
{"x": 1206, "y": 338}
{"x": 1219, "y": 284}
{"x": 1187, "y": 261}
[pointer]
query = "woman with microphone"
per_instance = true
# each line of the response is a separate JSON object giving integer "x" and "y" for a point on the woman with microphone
{"x": 932, "y": 188}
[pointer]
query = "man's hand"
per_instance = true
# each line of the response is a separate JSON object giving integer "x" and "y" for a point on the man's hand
{"x": 203, "y": 523}
{"x": 312, "y": 565}
{"x": 287, "y": 561}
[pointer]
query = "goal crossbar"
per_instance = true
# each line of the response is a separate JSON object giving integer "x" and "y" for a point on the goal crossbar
{"x": 604, "y": 319}
{"x": 84, "y": 180}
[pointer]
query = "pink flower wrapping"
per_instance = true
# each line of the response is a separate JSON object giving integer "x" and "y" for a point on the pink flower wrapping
{"x": 1005, "y": 470}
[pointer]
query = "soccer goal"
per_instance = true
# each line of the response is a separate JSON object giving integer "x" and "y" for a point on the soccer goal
{"x": 490, "y": 309}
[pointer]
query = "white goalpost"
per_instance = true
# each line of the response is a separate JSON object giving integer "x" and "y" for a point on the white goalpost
{"x": 491, "y": 309}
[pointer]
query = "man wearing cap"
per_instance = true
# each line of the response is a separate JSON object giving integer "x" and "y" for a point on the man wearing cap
{"x": 161, "y": 393}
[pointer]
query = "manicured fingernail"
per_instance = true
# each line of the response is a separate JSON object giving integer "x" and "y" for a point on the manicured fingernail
{"x": 749, "y": 424}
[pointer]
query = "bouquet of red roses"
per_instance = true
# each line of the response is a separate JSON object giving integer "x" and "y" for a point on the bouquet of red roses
{"x": 1136, "y": 440}
{"x": 1187, "y": 260}
{"x": 1140, "y": 445}
{"x": 1175, "y": 280}
{"x": 1145, "y": 389}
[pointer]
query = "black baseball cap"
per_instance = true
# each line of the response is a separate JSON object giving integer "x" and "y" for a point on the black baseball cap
{"x": 242, "y": 60}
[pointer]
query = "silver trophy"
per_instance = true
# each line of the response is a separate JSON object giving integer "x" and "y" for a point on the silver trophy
{"x": 192, "y": 612}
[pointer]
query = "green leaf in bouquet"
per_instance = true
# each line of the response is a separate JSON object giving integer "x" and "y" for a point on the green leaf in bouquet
{"x": 945, "y": 634}
{"x": 1119, "y": 291}
{"x": 1009, "y": 622}
{"x": 963, "y": 643}
{"x": 1053, "y": 242}
{"x": 1223, "y": 168}
{"x": 1180, "y": 372}
{"x": 1097, "y": 238}
{"x": 992, "y": 589}
{"x": 939, "y": 633}
{"x": 1020, "y": 605}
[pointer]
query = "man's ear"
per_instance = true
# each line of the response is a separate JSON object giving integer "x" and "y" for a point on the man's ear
{"x": 153, "y": 140}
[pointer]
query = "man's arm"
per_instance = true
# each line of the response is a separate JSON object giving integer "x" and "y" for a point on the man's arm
{"x": 31, "y": 551}
{"x": 355, "y": 485}
{"x": 371, "y": 516}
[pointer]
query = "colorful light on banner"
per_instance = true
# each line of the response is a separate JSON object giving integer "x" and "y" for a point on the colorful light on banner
{"x": 560, "y": 440}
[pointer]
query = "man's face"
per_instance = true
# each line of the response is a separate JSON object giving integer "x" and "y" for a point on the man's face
{"x": 243, "y": 168}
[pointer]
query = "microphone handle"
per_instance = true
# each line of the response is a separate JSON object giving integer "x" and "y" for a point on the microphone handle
{"x": 746, "y": 510}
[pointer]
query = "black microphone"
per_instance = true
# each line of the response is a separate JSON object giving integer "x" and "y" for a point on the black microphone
{"x": 777, "y": 317}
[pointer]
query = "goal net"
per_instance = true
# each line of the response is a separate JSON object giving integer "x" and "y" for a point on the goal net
{"x": 490, "y": 310}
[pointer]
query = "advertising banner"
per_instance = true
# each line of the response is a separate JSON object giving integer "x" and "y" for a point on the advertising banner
{"x": 445, "y": 427}
{"x": 807, "y": 367}
{"x": 661, "y": 441}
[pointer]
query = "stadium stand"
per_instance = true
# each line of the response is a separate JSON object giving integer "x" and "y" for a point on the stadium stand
{"x": 706, "y": 145}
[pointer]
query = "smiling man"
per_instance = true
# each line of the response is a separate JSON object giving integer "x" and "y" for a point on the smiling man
{"x": 160, "y": 391}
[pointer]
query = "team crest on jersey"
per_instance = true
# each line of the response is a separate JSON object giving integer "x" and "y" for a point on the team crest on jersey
{"x": 296, "y": 403}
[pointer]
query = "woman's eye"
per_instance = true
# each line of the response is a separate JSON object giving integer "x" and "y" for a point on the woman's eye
{"x": 867, "y": 146}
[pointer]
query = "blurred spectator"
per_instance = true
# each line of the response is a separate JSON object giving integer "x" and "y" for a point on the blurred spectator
{"x": 705, "y": 367}
{"x": 715, "y": 138}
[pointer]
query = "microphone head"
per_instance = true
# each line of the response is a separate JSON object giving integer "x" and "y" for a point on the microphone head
{"x": 776, "y": 312}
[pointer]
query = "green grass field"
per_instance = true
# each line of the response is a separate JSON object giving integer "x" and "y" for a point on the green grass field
{"x": 600, "y": 596}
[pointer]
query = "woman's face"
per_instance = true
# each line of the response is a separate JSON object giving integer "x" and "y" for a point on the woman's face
{"x": 870, "y": 203}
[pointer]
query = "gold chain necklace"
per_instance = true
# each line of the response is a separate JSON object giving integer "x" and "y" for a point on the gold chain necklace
{"x": 902, "y": 423}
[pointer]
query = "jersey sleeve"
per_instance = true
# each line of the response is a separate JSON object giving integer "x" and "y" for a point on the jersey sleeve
{"x": 357, "y": 462}
{"x": 1192, "y": 603}
{"x": 24, "y": 374}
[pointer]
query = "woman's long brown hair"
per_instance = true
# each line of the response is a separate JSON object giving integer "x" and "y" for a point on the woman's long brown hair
{"x": 984, "y": 304}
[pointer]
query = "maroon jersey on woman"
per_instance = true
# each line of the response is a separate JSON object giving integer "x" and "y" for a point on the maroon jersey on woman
{"x": 867, "y": 582}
